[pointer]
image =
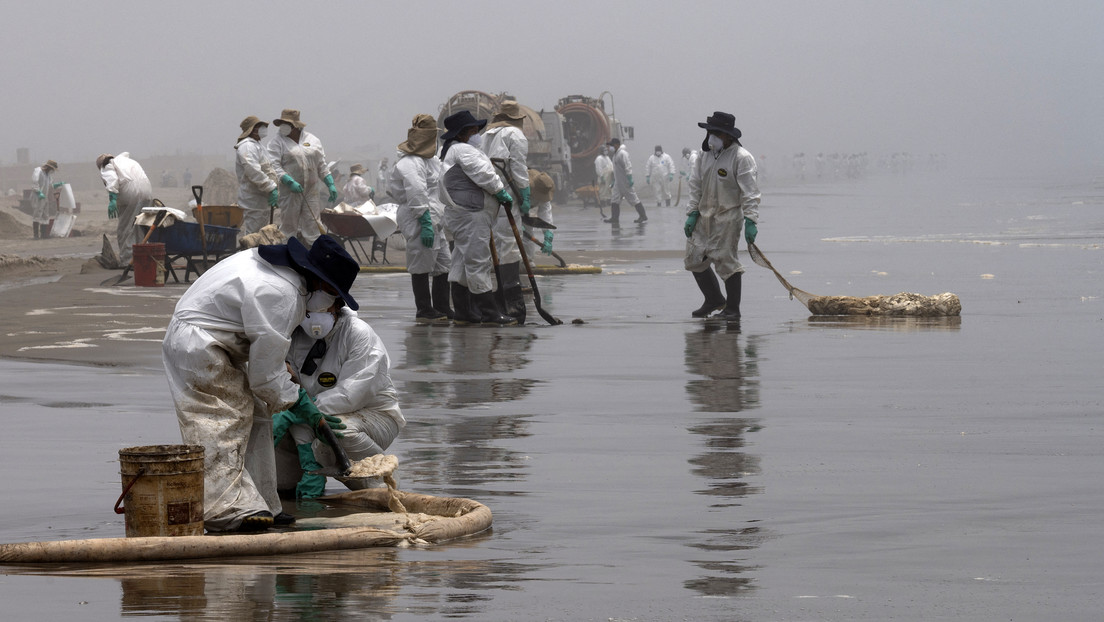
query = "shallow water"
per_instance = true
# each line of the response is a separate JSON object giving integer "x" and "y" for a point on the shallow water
{"x": 647, "y": 466}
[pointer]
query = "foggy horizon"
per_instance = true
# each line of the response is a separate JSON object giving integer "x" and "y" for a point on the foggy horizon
{"x": 987, "y": 83}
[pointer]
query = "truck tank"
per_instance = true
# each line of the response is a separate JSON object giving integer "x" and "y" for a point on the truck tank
{"x": 587, "y": 126}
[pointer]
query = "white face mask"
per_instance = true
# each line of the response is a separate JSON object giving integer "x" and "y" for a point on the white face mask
{"x": 262, "y": 131}
{"x": 476, "y": 140}
{"x": 285, "y": 129}
{"x": 715, "y": 143}
{"x": 319, "y": 300}
{"x": 318, "y": 324}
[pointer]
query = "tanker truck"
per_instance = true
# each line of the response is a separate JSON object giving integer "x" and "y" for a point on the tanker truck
{"x": 562, "y": 142}
{"x": 548, "y": 150}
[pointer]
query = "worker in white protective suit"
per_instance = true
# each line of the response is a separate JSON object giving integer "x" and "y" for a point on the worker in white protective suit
{"x": 128, "y": 191}
{"x": 415, "y": 186}
{"x": 383, "y": 173}
{"x": 343, "y": 366}
{"x": 623, "y": 185}
{"x": 300, "y": 164}
{"x": 474, "y": 192}
{"x": 603, "y": 178}
{"x": 356, "y": 191}
{"x": 543, "y": 189}
{"x": 505, "y": 140}
{"x": 43, "y": 209}
{"x": 724, "y": 198}
{"x": 258, "y": 195}
{"x": 224, "y": 353}
{"x": 659, "y": 174}
{"x": 691, "y": 157}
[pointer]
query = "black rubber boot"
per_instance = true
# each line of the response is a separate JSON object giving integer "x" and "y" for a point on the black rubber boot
{"x": 463, "y": 311}
{"x": 488, "y": 310}
{"x": 668, "y": 202}
{"x": 36, "y": 230}
{"x": 714, "y": 299}
{"x": 615, "y": 213}
{"x": 423, "y": 301}
{"x": 732, "y": 307}
{"x": 643, "y": 217}
{"x": 441, "y": 295}
{"x": 511, "y": 290}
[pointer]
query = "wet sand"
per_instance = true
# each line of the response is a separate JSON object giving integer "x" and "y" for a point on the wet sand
{"x": 644, "y": 465}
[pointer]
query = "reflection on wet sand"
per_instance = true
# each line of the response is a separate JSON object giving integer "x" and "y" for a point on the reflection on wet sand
{"x": 899, "y": 324}
{"x": 728, "y": 368}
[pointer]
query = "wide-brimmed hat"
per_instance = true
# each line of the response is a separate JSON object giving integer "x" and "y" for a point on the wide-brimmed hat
{"x": 722, "y": 122}
{"x": 291, "y": 117}
{"x": 458, "y": 122}
{"x": 356, "y": 169}
{"x": 103, "y": 159}
{"x": 614, "y": 142}
{"x": 326, "y": 259}
{"x": 50, "y": 164}
{"x": 509, "y": 113}
{"x": 421, "y": 138}
{"x": 248, "y": 124}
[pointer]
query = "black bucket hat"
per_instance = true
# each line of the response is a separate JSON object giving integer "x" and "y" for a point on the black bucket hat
{"x": 458, "y": 122}
{"x": 326, "y": 259}
{"x": 722, "y": 122}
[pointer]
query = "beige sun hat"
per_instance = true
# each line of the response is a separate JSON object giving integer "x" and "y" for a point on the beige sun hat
{"x": 103, "y": 159}
{"x": 421, "y": 138}
{"x": 248, "y": 124}
{"x": 290, "y": 116}
{"x": 356, "y": 169}
{"x": 50, "y": 164}
{"x": 509, "y": 113}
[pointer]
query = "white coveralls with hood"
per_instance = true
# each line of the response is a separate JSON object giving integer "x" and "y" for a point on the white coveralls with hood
{"x": 508, "y": 142}
{"x": 124, "y": 177}
{"x": 224, "y": 353}
{"x": 352, "y": 380}
{"x": 660, "y": 169}
{"x": 43, "y": 209}
{"x": 415, "y": 186}
{"x": 357, "y": 192}
{"x": 724, "y": 190}
{"x": 471, "y": 229}
{"x": 603, "y": 172}
{"x": 256, "y": 181}
{"x": 305, "y": 162}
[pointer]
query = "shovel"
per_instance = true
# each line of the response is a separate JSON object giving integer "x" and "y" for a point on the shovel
{"x": 197, "y": 192}
{"x": 563, "y": 264}
{"x": 344, "y": 466}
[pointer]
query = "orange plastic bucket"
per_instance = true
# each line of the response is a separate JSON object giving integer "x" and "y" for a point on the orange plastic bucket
{"x": 149, "y": 265}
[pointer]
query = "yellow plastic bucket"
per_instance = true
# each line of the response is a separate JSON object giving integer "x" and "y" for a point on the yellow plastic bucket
{"x": 162, "y": 490}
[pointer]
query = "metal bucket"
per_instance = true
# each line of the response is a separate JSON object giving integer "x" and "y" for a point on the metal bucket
{"x": 162, "y": 490}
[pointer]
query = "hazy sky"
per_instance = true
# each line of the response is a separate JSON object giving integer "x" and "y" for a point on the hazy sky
{"x": 994, "y": 80}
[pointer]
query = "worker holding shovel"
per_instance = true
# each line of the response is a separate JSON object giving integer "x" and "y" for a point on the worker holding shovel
{"x": 257, "y": 191}
{"x": 300, "y": 165}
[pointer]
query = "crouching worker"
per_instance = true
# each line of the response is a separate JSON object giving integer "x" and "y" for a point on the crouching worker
{"x": 343, "y": 365}
{"x": 224, "y": 353}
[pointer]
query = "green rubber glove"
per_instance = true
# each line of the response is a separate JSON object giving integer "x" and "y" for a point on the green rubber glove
{"x": 112, "y": 205}
{"x": 309, "y": 486}
{"x": 40, "y": 194}
{"x": 427, "y": 229}
{"x": 648, "y": 179}
{"x": 291, "y": 183}
{"x": 524, "y": 192}
{"x": 691, "y": 222}
{"x": 630, "y": 181}
{"x": 58, "y": 184}
{"x": 750, "y": 230}
{"x": 281, "y": 422}
{"x": 306, "y": 412}
{"x": 273, "y": 197}
{"x": 371, "y": 192}
{"x": 332, "y": 187}
{"x": 670, "y": 177}
{"x": 504, "y": 198}
{"x": 547, "y": 248}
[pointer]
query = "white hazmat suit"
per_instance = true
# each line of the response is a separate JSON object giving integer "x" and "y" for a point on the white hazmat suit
{"x": 224, "y": 353}
{"x": 43, "y": 208}
{"x": 508, "y": 142}
{"x": 470, "y": 214}
{"x": 724, "y": 190}
{"x": 352, "y": 381}
{"x": 305, "y": 162}
{"x": 659, "y": 170}
{"x": 128, "y": 181}
{"x": 356, "y": 191}
{"x": 256, "y": 181}
{"x": 622, "y": 170}
{"x": 603, "y": 172}
{"x": 415, "y": 186}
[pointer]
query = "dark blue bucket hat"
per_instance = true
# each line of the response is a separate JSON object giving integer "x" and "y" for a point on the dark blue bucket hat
{"x": 326, "y": 259}
{"x": 458, "y": 121}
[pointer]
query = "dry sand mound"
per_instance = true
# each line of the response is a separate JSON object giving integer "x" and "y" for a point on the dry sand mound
{"x": 11, "y": 229}
{"x": 220, "y": 188}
